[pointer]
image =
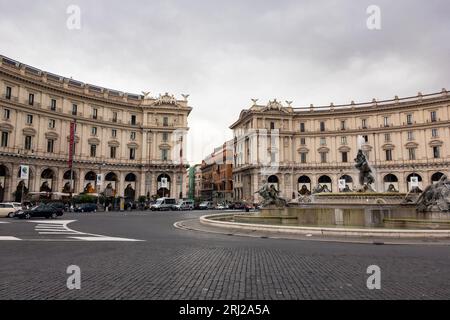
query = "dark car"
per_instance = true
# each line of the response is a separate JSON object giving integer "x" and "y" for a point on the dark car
{"x": 86, "y": 207}
{"x": 58, "y": 205}
{"x": 41, "y": 211}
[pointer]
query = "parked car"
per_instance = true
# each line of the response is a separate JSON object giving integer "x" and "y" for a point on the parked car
{"x": 206, "y": 205}
{"x": 237, "y": 206}
{"x": 42, "y": 211}
{"x": 221, "y": 206}
{"x": 184, "y": 205}
{"x": 162, "y": 204}
{"x": 7, "y": 209}
{"x": 86, "y": 207}
{"x": 58, "y": 205}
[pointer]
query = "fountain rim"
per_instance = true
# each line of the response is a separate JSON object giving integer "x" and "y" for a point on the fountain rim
{"x": 323, "y": 231}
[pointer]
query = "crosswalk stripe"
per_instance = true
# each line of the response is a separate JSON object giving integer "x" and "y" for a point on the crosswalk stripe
{"x": 7, "y": 238}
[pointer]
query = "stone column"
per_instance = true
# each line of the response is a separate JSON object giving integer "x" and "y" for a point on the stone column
{"x": 37, "y": 178}
{"x": 14, "y": 181}
{"x": 121, "y": 184}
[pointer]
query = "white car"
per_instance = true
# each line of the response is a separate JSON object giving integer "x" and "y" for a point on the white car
{"x": 7, "y": 209}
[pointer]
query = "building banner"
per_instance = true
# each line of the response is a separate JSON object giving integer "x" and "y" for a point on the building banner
{"x": 341, "y": 184}
{"x": 24, "y": 172}
{"x": 99, "y": 179}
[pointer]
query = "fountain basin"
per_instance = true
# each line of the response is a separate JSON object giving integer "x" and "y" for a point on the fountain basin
{"x": 350, "y": 220}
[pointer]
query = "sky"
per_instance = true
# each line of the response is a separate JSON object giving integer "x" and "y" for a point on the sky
{"x": 224, "y": 53}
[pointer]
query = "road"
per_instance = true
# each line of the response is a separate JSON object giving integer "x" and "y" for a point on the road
{"x": 140, "y": 255}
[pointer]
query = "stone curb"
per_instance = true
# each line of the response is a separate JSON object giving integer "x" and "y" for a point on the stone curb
{"x": 342, "y": 232}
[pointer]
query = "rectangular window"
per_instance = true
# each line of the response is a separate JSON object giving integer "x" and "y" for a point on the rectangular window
{"x": 133, "y": 135}
{"x": 322, "y": 126}
{"x": 27, "y": 142}
{"x": 53, "y": 105}
{"x": 132, "y": 153}
{"x": 436, "y": 152}
{"x": 412, "y": 154}
{"x": 344, "y": 156}
{"x": 165, "y": 136}
{"x": 31, "y": 99}
{"x": 387, "y": 137}
{"x": 388, "y": 155}
{"x": 364, "y": 123}
{"x": 165, "y": 122}
{"x": 366, "y": 139}
{"x": 164, "y": 154}
{"x": 4, "y": 139}
{"x": 133, "y": 120}
{"x": 113, "y": 152}
{"x": 272, "y": 125}
{"x": 434, "y": 133}
{"x": 302, "y": 141}
{"x": 114, "y": 133}
{"x": 323, "y": 157}
{"x": 343, "y": 125}
{"x": 409, "y": 119}
{"x": 94, "y": 113}
{"x": 6, "y": 114}
{"x": 29, "y": 119}
{"x": 386, "y": 121}
{"x": 302, "y": 127}
{"x": 323, "y": 141}
{"x": 344, "y": 140}
{"x": 74, "y": 109}
{"x": 303, "y": 157}
{"x": 8, "y": 93}
{"x": 50, "y": 145}
{"x": 51, "y": 123}
{"x": 410, "y": 135}
{"x": 93, "y": 150}
{"x": 94, "y": 131}
{"x": 114, "y": 117}
{"x": 433, "y": 116}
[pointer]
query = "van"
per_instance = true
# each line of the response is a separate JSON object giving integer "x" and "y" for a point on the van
{"x": 184, "y": 205}
{"x": 163, "y": 204}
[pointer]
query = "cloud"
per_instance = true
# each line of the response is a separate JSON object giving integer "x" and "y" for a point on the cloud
{"x": 225, "y": 53}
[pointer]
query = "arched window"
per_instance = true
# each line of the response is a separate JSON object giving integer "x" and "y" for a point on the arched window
{"x": 47, "y": 174}
{"x": 436, "y": 176}
{"x": 131, "y": 177}
{"x": 90, "y": 176}
{"x": 272, "y": 179}
{"x": 304, "y": 179}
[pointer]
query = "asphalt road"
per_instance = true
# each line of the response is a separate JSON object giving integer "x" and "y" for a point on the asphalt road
{"x": 140, "y": 255}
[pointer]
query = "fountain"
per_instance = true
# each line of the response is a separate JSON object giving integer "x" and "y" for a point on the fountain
{"x": 361, "y": 211}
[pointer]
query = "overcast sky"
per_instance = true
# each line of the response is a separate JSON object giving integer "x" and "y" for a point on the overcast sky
{"x": 223, "y": 53}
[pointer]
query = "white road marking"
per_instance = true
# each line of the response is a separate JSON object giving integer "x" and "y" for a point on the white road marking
{"x": 3, "y": 222}
{"x": 7, "y": 238}
{"x": 60, "y": 227}
{"x": 104, "y": 238}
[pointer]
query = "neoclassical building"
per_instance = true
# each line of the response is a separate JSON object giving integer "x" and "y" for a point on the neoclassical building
{"x": 295, "y": 148}
{"x": 133, "y": 141}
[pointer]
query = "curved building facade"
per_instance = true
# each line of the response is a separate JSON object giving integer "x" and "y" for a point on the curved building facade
{"x": 134, "y": 142}
{"x": 405, "y": 140}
